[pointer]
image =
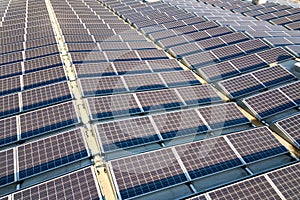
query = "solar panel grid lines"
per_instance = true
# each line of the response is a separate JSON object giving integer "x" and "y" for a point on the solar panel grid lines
{"x": 42, "y": 63}
{"x": 207, "y": 157}
{"x": 200, "y": 59}
{"x": 10, "y": 85}
{"x": 7, "y": 167}
{"x": 180, "y": 78}
{"x": 253, "y": 46}
{"x": 9, "y": 105}
{"x": 50, "y": 153}
{"x": 292, "y": 91}
{"x": 74, "y": 47}
{"x": 248, "y": 63}
{"x": 227, "y": 52}
{"x": 9, "y": 48}
{"x": 11, "y": 58}
{"x": 88, "y": 57}
{"x": 8, "y": 130}
{"x": 144, "y": 82}
{"x": 164, "y": 65}
{"x": 152, "y": 54}
{"x": 148, "y": 172}
{"x": 116, "y": 56}
{"x": 80, "y": 184}
{"x": 185, "y": 49}
{"x": 198, "y": 197}
{"x": 274, "y": 55}
{"x": 172, "y": 41}
{"x": 41, "y": 51}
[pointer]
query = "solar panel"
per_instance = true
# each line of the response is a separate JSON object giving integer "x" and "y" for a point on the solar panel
{"x": 181, "y": 78}
{"x": 88, "y": 57}
{"x": 207, "y": 157}
{"x": 223, "y": 115}
{"x": 292, "y": 91}
{"x": 74, "y": 47}
{"x": 41, "y": 51}
{"x": 144, "y": 82}
{"x": 126, "y": 133}
{"x": 88, "y": 70}
{"x": 200, "y": 94}
{"x": 52, "y": 152}
{"x": 140, "y": 174}
{"x": 11, "y": 58}
{"x": 211, "y": 43}
{"x": 162, "y": 34}
{"x": 265, "y": 105}
{"x": 273, "y": 55}
{"x": 205, "y": 25}
{"x": 286, "y": 180}
{"x": 253, "y": 46}
{"x": 40, "y": 42}
{"x": 234, "y": 38}
{"x": 164, "y": 65}
{"x": 199, "y": 197}
{"x": 9, "y": 105}
{"x": 50, "y": 119}
{"x": 113, "y": 46}
{"x": 44, "y": 77}
{"x": 102, "y": 86}
{"x": 273, "y": 75}
{"x": 140, "y": 45}
{"x": 8, "y": 130}
{"x": 132, "y": 67}
{"x": 256, "y": 144}
{"x": 80, "y": 184}
{"x": 200, "y": 59}
{"x": 152, "y": 54}
{"x": 115, "y": 56}
{"x": 248, "y": 63}
{"x": 177, "y": 124}
{"x": 185, "y": 49}
{"x": 241, "y": 85}
{"x": 255, "y": 188}
{"x": 159, "y": 100}
{"x": 113, "y": 106}
{"x": 7, "y": 167}
{"x": 10, "y": 85}
{"x": 42, "y": 63}
{"x": 14, "y": 47}
{"x": 172, "y": 41}
{"x": 227, "y": 52}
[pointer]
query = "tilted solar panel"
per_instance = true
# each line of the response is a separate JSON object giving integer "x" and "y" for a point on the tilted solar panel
{"x": 7, "y": 167}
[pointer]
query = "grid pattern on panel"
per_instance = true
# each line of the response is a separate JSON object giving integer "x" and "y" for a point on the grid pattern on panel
{"x": 10, "y": 70}
{"x": 252, "y": 189}
{"x": 42, "y": 63}
{"x": 11, "y": 58}
{"x": 273, "y": 55}
{"x": 198, "y": 94}
{"x": 256, "y": 144}
{"x": 114, "y": 105}
{"x": 264, "y": 104}
{"x": 157, "y": 100}
{"x": 10, "y": 85}
{"x": 234, "y": 38}
{"x": 185, "y": 49}
{"x": 73, "y": 47}
{"x": 76, "y": 185}
{"x": 6, "y": 167}
{"x": 223, "y": 115}
{"x": 8, "y": 130}
{"x": 287, "y": 180}
{"x": 207, "y": 157}
{"x": 138, "y": 45}
{"x": 291, "y": 126}
{"x": 218, "y": 71}
{"x": 217, "y": 31}
{"x": 248, "y": 63}
{"x": 9, "y": 105}
{"x": 50, "y": 118}
{"x": 200, "y": 59}
{"x": 51, "y": 152}
{"x": 101, "y": 86}
{"x": 94, "y": 70}
{"x": 86, "y": 57}
{"x": 126, "y": 133}
{"x": 115, "y": 56}
{"x": 227, "y": 52}
{"x": 140, "y": 174}
{"x": 253, "y": 45}
{"x": 152, "y": 54}
{"x": 176, "y": 124}
{"x": 292, "y": 91}
{"x": 199, "y": 197}
{"x": 181, "y": 78}
{"x": 45, "y": 95}
{"x": 131, "y": 67}
{"x": 41, "y": 51}
{"x": 144, "y": 82}
{"x": 211, "y": 43}
{"x": 164, "y": 65}
{"x": 241, "y": 85}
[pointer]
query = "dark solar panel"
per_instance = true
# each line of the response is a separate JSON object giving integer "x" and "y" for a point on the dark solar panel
{"x": 10, "y": 70}
{"x": 7, "y": 167}
{"x": 144, "y": 82}
{"x": 50, "y": 119}
{"x": 126, "y": 133}
{"x": 152, "y": 54}
{"x": 227, "y": 52}
{"x": 9, "y": 105}
{"x": 223, "y": 115}
{"x": 88, "y": 57}
{"x": 80, "y": 184}
{"x": 52, "y": 152}
{"x": 164, "y": 65}
{"x": 140, "y": 45}
{"x": 181, "y": 78}
{"x": 113, "y": 106}
{"x": 290, "y": 126}
{"x": 10, "y": 85}
{"x": 292, "y": 91}
{"x": 162, "y": 34}
{"x": 205, "y": 25}
{"x": 159, "y": 100}
{"x": 131, "y": 67}
{"x": 172, "y": 41}
{"x": 115, "y": 56}
{"x": 14, "y": 47}
{"x": 177, "y": 124}
{"x": 207, "y": 157}
{"x": 42, "y": 63}
{"x": 44, "y": 77}
{"x": 144, "y": 173}
{"x": 73, "y": 47}
{"x": 113, "y": 46}
{"x": 185, "y": 49}
{"x": 102, "y": 86}
{"x": 264, "y": 104}
{"x": 200, "y": 59}
{"x": 11, "y": 58}
{"x": 40, "y": 42}
{"x": 256, "y": 144}
{"x": 88, "y": 70}
{"x": 277, "y": 54}
{"x": 8, "y": 130}
{"x": 234, "y": 38}
{"x": 249, "y": 63}
{"x": 41, "y": 51}
{"x": 253, "y": 46}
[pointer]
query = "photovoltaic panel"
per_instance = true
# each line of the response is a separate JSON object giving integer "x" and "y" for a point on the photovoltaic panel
{"x": 41, "y": 51}
{"x": 74, "y": 47}
{"x": 144, "y": 82}
{"x": 181, "y": 78}
{"x": 162, "y": 34}
{"x": 113, "y": 46}
{"x": 248, "y": 63}
{"x": 241, "y": 85}
{"x": 80, "y": 184}
{"x": 177, "y": 124}
{"x": 14, "y": 47}
{"x": 9, "y": 105}
{"x": 273, "y": 55}
{"x": 11, "y": 58}
{"x": 211, "y": 43}
{"x": 152, "y": 54}
{"x": 6, "y": 167}
{"x": 8, "y": 130}
{"x": 132, "y": 67}
{"x": 51, "y": 118}
{"x": 286, "y": 180}
{"x": 265, "y": 105}
{"x": 164, "y": 65}
{"x": 227, "y": 52}
{"x": 141, "y": 45}
{"x": 253, "y": 46}
{"x": 255, "y": 188}
{"x": 102, "y": 86}
{"x": 218, "y": 31}
{"x": 172, "y": 41}
{"x": 223, "y": 115}
{"x": 159, "y": 100}
{"x": 88, "y": 70}
{"x": 42, "y": 63}
{"x": 52, "y": 152}
{"x": 185, "y": 49}
{"x": 40, "y": 42}
{"x": 256, "y": 144}
{"x": 140, "y": 174}
{"x": 113, "y": 106}
{"x": 198, "y": 197}
{"x": 10, "y": 70}
{"x": 200, "y": 94}
{"x": 292, "y": 91}
{"x": 234, "y": 38}
{"x": 10, "y": 85}
{"x": 126, "y": 133}
{"x": 88, "y": 57}
{"x": 205, "y": 25}
{"x": 44, "y": 77}
{"x": 200, "y": 59}
{"x": 116, "y": 56}
{"x": 207, "y": 157}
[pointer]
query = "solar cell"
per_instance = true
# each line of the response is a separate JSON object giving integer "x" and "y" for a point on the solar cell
{"x": 113, "y": 106}
{"x": 40, "y": 42}
{"x": 205, "y": 25}
{"x": 234, "y": 38}
{"x": 159, "y": 100}
{"x": 265, "y": 105}
{"x": 14, "y": 47}
{"x": 80, "y": 184}
{"x": 152, "y": 54}
{"x": 50, "y": 119}
{"x": 113, "y": 46}
{"x": 126, "y": 133}
{"x": 7, "y": 167}
{"x": 200, "y": 59}
{"x": 194, "y": 95}
{"x": 102, "y": 86}
{"x": 132, "y": 67}
{"x": 181, "y": 123}
{"x": 185, "y": 49}
{"x": 10, "y": 85}
{"x": 227, "y": 52}
{"x": 140, "y": 174}
{"x": 172, "y": 41}
{"x": 44, "y": 77}
{"x": 144, "y": 82}
{"x": 164, "y": 65}
{"x": 8, "y": 130}
{"x": 253, "y": 46}
{"x": 74, "y": 47}
{"x": 115, "y": 56}
{"x": 41, "y": 51}
{"x": 223, "y": 115}
{"x": 52, "y": 152}
{"x": 87, "y": 70}
{"x": 9, "y": 105}
{"x": 207, "y": 157}
{"x": 181, "y": 78}
{"x": 88, "y": 57}
{"x": 140, "y": 45}
{"x": 248, "y": 63}
{"x": 292, "y": 91}
{"x": 273, "y": 55}
{"x": 11, "y": 58}
{"x": 162, "y": 34}
{"x": 42, "y": 63}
